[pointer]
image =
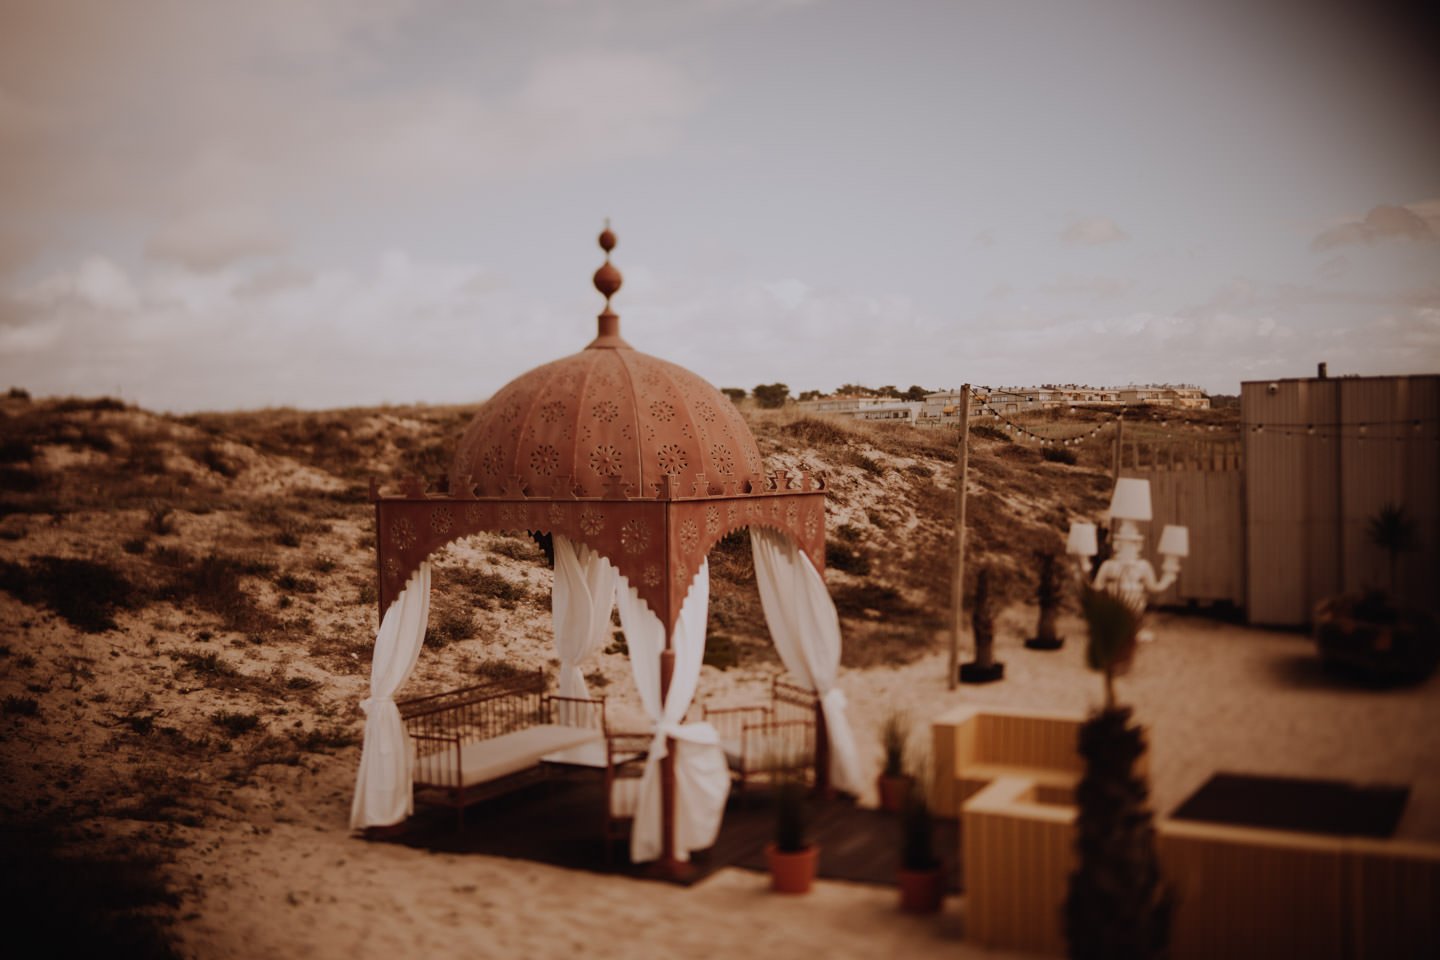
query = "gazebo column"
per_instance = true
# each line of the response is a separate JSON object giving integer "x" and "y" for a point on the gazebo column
{"x": 668, "y": 865}
{"x": 822, "y": 754}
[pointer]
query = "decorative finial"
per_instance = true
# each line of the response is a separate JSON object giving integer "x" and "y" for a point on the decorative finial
{"x": 607, "y": 281}
{"x": 607, "y": 278}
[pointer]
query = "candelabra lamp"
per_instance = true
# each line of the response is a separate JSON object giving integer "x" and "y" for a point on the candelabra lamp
{"x": 1126, "y": 574}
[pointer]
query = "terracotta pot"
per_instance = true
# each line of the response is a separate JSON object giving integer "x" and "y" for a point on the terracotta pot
{"x": 792, "y": 872}
{"x": 921, "y": 890}
{"x": 893, "y": 791}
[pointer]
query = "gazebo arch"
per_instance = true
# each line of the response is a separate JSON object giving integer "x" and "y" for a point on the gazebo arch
{"x": 645, "y": 465}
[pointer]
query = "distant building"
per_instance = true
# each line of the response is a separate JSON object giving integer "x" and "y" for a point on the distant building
{"x": 942, "y": 408}
{"x": 863, "y": 408}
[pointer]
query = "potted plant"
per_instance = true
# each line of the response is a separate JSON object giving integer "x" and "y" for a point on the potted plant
{"x": 1371, "y": 634}
{"x": 791, "y": 857}
{"x": 921, "y": 877}
{"x": 984, "y": 668}
{"x": 1118, "y": 905}
{"x": 894, "y": 783}
{"x": 1047, "y": 596}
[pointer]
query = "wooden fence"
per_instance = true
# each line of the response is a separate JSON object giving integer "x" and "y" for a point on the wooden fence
{"x": 1200, "y": 484}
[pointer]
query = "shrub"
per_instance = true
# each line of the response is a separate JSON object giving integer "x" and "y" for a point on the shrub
{"x": 235, "y": 724}
{"x": 1059, "y": 455}
{"x": 216, "y": 459}
{"x": 498, "y": 670}
{"x": 323, "y": 740}
{"x": 871, "y": 599}
{"x": 206, "y": 664}
{"x": 86, "y": 594}
{"x": 135, "y": 545}
{"x": 449, "y": 625}
{"x": 990, "y": 433}
{"x": 19, "y": 480}
{"x": 293, "y": 584}
{"x": 16, "y": 450}
{"x": 840, "y": 556}
{"x": 817, "y": 432}
{"x": 213, "y": 583}
{"x": 721, "y": 651}
{"x": 21, "y": 706}
{"x": 160, "y": 519}
{"x": 865, "y": 462}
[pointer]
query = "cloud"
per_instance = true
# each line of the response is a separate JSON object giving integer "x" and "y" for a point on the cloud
{"x": 1092, "y": 232}
{"x": 1416, "y": 223}
{"x": 306, "y": 114}
{"x": 271, "y": 334}
{"x": 1243, "y": 293}
{"x": 1094, "y": 288}
{"x": 216, "y": 236}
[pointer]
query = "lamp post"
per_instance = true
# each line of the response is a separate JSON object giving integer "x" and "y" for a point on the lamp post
{"x": 1126, "y": 575}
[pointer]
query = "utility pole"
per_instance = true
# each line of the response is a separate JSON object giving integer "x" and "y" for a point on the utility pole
{"x": 1119, "y": 448}
{"x": 957, "y": 594}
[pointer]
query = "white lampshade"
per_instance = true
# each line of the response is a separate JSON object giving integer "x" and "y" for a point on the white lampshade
{"x": 1081, "y": 542}
{"x": 1131, "y": 500}
{"x": 1174, "y": 541}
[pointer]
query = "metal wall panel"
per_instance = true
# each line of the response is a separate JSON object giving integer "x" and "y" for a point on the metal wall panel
{"x": 1310, "y": 496}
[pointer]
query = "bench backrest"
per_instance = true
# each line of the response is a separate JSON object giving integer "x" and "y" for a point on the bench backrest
{"x": 1027, "y": 741}
{"x": 481, "y": 711}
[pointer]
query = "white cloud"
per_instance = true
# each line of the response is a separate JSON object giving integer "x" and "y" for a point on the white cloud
{"x": 1092, "y": 232}
{"x": 215, "y": 236}
{"x": 1419, "y": 222}
{"x": 1094, "y": 288}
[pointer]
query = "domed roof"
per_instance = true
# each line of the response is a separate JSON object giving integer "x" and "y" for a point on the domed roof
{"x": 608, "y": 421}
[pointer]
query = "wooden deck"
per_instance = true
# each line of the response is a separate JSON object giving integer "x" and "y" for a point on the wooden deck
{"x": 559, "y": 823}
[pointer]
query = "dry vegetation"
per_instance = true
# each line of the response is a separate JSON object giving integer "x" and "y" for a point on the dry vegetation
{"x": 188, "y": 607}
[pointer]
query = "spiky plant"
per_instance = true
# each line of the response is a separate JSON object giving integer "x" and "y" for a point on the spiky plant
{"x": 790, "y": 815}
{"x": 1114, "y": 629}
{"x": 1048, "y": 594}
{"x": 893, "y": 736}
{"x": 1392, "y": 529}
{"x": 1118, "y": 907}
{"x": 982, "y": 619}
{"x": 917, "y": 828}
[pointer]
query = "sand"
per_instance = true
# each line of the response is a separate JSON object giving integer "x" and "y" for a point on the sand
{"x": 1213, "y": 696}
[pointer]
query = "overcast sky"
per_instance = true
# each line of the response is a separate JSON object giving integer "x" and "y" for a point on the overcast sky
{"x": 221, "y": 205}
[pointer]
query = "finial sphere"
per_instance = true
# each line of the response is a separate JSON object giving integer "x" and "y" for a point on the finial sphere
{"x": 607, "y": 239}
{"x": 608, "y": 279}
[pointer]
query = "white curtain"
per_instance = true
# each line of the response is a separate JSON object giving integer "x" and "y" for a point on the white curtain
{"x": 580, "y": 604}
{"x": 383, "y": 793}
{"x": 702, "y": 780}
{"x": 806, "y": 631}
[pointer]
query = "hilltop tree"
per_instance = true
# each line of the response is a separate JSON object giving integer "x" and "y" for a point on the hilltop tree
{"x": 916, "y": 392}
{"x": 811, "y": 395}
{"x": 771, "y": 395}
{"x": 734, "y": 393}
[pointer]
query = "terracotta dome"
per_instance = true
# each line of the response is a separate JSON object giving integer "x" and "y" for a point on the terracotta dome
{"x": 608, "y": 421}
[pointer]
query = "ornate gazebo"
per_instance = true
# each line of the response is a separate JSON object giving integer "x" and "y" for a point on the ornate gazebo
{"x": 635, "y": 468}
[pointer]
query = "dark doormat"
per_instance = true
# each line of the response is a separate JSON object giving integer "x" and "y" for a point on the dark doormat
{"x": 560, "y": 823}
{"x": 1288, "y": 803}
